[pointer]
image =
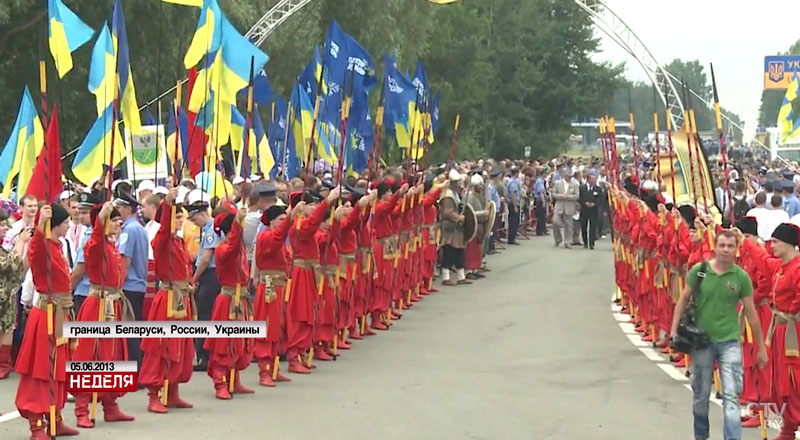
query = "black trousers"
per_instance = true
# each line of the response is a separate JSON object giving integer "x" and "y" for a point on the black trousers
{"x": 452, "y": 258}
{"x": 77, "y": 302}
{"x": 513, "y": 223}
{"x": 540, "y": 211}
{"x": 137, "y": 303}
{"x": 207, "y": 291}
{"x": 589, "y": 225}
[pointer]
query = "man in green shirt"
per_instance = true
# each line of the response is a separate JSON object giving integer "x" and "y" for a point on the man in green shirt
{"x": 723, "y": 286}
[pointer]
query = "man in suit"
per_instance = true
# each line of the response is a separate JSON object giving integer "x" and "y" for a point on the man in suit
{"x": 590, "y": 198}
{"x": 565, "y": 193}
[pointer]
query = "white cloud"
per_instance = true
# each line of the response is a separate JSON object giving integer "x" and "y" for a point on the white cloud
{"x": 735, "y": 36}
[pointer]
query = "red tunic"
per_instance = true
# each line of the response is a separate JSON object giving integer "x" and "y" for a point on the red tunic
{"x": 170, "y": 358}
{"x": 382, "y": 219}
{"x": 173, "y": 262}
{"x": 104, "y": 264}
{"x": 271, "y": 255}
{"x": 329, "y": 260}
{"x": 33, "y": 361}
{"x": 230, "y": 254}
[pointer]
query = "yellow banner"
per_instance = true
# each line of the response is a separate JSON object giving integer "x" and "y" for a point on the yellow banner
{"x": 684, "y": 193}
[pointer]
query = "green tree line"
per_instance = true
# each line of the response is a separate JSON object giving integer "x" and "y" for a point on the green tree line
{"x": 517, "y": 72}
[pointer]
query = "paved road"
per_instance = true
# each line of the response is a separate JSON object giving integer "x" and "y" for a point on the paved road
{"x": 532, "y": 352}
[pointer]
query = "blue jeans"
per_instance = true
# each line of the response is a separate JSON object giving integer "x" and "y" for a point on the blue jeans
{"x": 729, "y": 357}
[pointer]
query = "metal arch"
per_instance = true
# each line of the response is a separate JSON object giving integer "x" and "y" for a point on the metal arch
{"x": 611, "y": 24}
{"x": 257, "y": 33}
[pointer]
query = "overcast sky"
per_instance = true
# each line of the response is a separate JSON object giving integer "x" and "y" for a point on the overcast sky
{"x": 735, "y": 36}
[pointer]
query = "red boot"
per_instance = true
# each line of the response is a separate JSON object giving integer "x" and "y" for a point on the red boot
{"x": 663, "y": 344}
{"x": 112, "y": 413}
{"x": 787, "y": 430}
{"x": 648, "y": 338}
{"x": 174, "y": 399}
{"x": 238, "y": 388}
{"x": 368, "y": 331}
{"x": 38, "y": 428}
{"x": 353, "y": 334}
{"x": 681, "y": 363}
{"x": 751, "y": 422}
{"x": 377, "y": 323}
{"x": 220, "y": 384}
{"x": 321, "y": 353}
{"x": 296, "y": 366}
{"x": 343, "y": 344}
{"x": 62, "y": 429}
{"x": 154, "y": 404}
{"x": 264, "y": 374}
{"x": 82, "y": 410}
{"x": 5, "y": 361}
{"x": 281, "y": 378}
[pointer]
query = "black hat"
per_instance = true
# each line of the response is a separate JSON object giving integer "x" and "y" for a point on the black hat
{"x": 328, "y": 184}
{"x": 787, "y": 233}
{"x": 195, "y": 208}
{"x": 308, "y": 196}
{"x": 495, "y": 172}
{"x": 688, "y": 213}
{"x": 123, "y": 198}
{"x": 272, "y": 213}
{"x": 266, "y": 189}
{"x": 60, "y": 215}
{"x": 86, "y": 200}
{"x": 748, "y": 225}
{"x": 356, "y": 194}
{"x": 787, "y": 174}
{"x": 788, "y": 185}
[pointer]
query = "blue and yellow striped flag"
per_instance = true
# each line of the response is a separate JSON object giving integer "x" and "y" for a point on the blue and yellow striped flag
{"x": 66, "y": 33}
{"x": 102, "y": 70}
{"x": 95, "y": 151}
{"x": 18, "y": 158}
{"x": 127, "y": 91}
{"x": 788, "y": 121}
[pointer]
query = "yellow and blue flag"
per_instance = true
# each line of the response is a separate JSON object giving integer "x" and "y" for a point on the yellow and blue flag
{"x": 18, "y": 158}
{"x": 127, "y": 91}
{"x": 238, "y": 123}
{"x": 265, "y": 161}
{"x": 788, "y": 117}
{"x": 102, "y": 70}
{"x": 230, "y": 71}
{"x": 95, "y": 151}
{"x": 66, "y": 33}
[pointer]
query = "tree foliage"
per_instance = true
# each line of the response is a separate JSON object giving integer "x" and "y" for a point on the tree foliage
{"x": 643, "y": 103}
{"x": 517, "y": 72}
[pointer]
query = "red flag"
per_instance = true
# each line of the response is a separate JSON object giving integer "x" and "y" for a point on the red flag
{"x": 197, "y": 138}
{"x": 46, "y": 179}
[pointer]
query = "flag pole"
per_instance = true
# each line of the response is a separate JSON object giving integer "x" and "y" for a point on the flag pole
{"x": 52, "y": 341}
{"x": 633, "y": 132}
{"x": 668, "y": 120}
{"x": 687, "y": 123}
{"x": 658, "y": 142}
{"x": 722, "y": 150}
{"x": 453, "y": 145}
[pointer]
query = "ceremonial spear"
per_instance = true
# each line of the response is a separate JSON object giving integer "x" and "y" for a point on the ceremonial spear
{"x": 722, "y": 149}
{"x": 52, "y": 340}
{"x": 633, "y": 132}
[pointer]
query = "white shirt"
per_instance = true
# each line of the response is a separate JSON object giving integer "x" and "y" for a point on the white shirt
{"x": 152, "y": 228}
{"x": 795, "y": 220}
{"x": 768, "y": 220}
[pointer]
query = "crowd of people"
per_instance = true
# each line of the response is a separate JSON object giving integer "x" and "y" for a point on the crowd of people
{"x": 739, "y": 275}
{"x": 323, "y": 264}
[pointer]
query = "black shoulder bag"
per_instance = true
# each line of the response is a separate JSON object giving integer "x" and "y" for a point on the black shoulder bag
{"x": 690, "y": 336}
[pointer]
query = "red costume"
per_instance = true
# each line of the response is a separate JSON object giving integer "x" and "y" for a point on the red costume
{"x": 756, "y": 380}
{"x": 105, "y": 302}
{"x": 348, "y": 245}
{"x": 33, "y": 361}
{"x": 169, "y": 358}
{"x": 363, "y": 291}
{"x": 428, "y": 240}
{"x": 271, "y": 256}
{"x": 303, "y": 296}
{"x": 383, "y": 221}
{"x": 325, "y": 329}
{"x": 230, "y": 356}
